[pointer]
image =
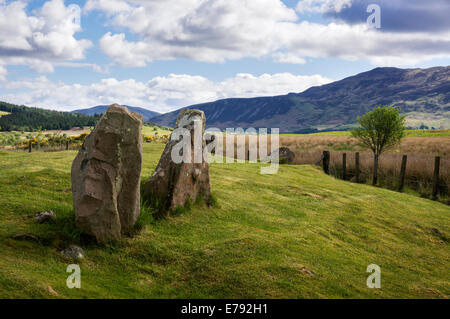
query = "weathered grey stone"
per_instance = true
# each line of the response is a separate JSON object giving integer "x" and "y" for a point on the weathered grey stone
{"x": 45, "y": 217}
{"x": 286, "y": 155}
{"x": 73, "y": 252}
{"x": 106, "y": 176}
{"x": 172, "y": 184}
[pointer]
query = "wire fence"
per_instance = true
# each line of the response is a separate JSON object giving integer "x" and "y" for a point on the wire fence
{"x": 419, "y": 174}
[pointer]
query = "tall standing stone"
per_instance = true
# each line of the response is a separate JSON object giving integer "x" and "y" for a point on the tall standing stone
{"x": 106, "y": 176}
{"x": 173, "y": 184}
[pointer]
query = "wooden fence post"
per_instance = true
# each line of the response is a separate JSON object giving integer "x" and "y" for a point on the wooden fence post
{"x": 67, "y": 145}
{"x": 326, "y": 162}
{"x": 344, "y": 166}
{"x": 375, "y": 169}
{"x": 357, "y": 167}
{"x": 437, "y": 163}
{"x": 402, "y": 173}
{"x": 30, "y": 146}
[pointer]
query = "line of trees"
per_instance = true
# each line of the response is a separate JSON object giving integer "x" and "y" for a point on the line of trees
{"x": 23, "y": 118}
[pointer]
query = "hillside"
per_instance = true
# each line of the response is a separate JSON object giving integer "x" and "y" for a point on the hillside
{"x": 305, "y": 235}
{"x": 23, "y": 118}
{"x": 100, "y": 109}
{"x": 423, "y": 94}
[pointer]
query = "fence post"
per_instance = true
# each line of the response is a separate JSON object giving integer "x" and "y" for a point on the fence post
{"x": 30, "y": 146}
{"x": 67, "y": 145}
{"x": 357, "y": 167}
{"x": 437, "y": 163}
{"x": 326, "y": 162}
{"x": 402, "y": 173}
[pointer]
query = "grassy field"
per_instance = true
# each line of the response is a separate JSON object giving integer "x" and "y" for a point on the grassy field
{"x": 9, "y": 139}
{"x": 152, "y": 130}
{"x": 3, "y": 113}
{"x": 297, "y": 234}
{"x": 149, "y": 130}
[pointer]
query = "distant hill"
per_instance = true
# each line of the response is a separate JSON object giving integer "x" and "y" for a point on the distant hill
{"x": 423, "y": 94}
{"x": 24, "y": 118}
{"x": 100, "y": 109}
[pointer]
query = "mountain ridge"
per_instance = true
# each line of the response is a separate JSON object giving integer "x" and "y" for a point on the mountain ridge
{"x": 422, "y": 94}
{"x": 100, "y": 109}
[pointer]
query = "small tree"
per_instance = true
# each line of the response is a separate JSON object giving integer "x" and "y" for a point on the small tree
{"x": 380, "y": 129}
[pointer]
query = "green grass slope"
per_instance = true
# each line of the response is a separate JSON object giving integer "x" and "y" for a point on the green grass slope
{"x": 297, "y": 234}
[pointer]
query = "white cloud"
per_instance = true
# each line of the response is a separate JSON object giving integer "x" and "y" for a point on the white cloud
{"x": 94, "y": 67}
{"x": 15, "y": 27}
{"x": 211, "y": 31}
{"x": 220, "y": 30}
{"x": 3, "y": 73}
{"x": 126, "y": 53}
{"x": 109, "y": 6}
{"x": 161, "y": 94}
{"x": 41, "y": 66}
{"x": 360, "y": 42}
{"x": 288, "y": 58}
{"x": 323, "y": 6}
{"x": 41, "y": 39}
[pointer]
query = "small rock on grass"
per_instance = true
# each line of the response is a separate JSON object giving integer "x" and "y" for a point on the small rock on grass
{"x": 436, "y": 231}
{"x": 73, "y": 252}
{"x": 45, "y": 217}
{"x": 26, "y": 237}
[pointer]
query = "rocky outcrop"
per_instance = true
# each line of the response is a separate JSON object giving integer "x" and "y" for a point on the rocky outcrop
{"x": 106, "y": 176}
{"x": 173, "y": 184}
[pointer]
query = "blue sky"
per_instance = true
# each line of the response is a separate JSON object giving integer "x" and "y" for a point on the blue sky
{"x": 163, "y": 55}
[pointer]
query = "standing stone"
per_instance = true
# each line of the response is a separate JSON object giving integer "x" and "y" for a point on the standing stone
{"x": 172, "y": 184}
{"x": 106, "y": 176}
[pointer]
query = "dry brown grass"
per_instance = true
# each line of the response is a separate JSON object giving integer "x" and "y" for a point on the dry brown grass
{"x": 432, "y": 146}
{"x": 421, "y": 152}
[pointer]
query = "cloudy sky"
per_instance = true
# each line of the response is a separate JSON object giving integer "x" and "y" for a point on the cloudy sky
{"x": 166, "y": 54}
